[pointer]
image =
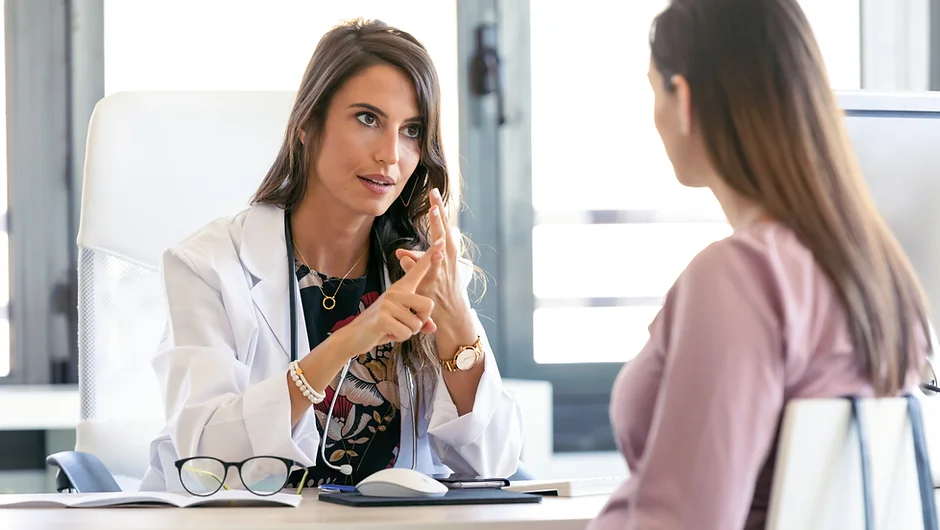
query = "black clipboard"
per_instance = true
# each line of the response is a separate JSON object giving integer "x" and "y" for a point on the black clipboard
{"x": 451, "y": 498}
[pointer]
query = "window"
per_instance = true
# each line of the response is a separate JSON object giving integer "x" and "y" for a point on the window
{"x": 657, "y": 225}
{"x": 837, "y": 25}
{"x": 255, "y": 45}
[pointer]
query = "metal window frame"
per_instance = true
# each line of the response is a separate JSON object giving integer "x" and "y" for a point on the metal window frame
{"x": 479, "y": 168}
{"x": 54, "y": 76}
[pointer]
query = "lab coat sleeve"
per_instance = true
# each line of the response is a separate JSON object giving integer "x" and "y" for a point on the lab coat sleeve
{"x": 488, "y": 440}
{"x": 211, "y": 407}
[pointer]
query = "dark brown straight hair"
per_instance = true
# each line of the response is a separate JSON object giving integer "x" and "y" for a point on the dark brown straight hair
{"x": 774, "y": 132}
{"x": 343, "y": 52}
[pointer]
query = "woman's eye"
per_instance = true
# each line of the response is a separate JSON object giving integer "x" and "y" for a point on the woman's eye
{"x": 366, "y": 118}
{"x": 413, "y": 131}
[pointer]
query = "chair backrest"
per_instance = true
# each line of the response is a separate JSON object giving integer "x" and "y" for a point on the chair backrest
{"x": 817, "y": 479}
{"x": 158, "y": 166}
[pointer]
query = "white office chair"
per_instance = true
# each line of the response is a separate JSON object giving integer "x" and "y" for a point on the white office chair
{"x": 158, "y": 166}
{"x": 818, "y": 476}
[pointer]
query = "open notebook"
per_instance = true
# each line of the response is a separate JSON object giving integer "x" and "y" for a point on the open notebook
{"x": 146, "y": 498}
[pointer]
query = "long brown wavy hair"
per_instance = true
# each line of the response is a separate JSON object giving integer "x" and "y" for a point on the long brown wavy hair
{"x": 774, "y": 132}
{"x": 343, "y": 52}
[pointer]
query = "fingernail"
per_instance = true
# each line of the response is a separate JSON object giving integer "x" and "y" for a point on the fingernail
{"x": 436, "y": 193}
{"x": 435, "y": 211}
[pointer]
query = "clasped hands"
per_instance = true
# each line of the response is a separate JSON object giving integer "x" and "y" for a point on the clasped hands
{"x": 427, "y": 296}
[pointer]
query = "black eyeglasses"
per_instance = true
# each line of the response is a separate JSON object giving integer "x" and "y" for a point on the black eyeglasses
{"x": 262, "y": 475}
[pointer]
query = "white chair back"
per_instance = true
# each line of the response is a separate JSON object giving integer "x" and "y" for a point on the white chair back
{"x": 818, "y": 480}
{"x": 158, "y": 166}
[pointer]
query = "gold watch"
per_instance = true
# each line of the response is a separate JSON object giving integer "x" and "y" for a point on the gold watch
{"x": 466, "y": 358}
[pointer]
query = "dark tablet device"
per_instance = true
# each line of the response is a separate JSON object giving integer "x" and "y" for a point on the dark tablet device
{"x": 459, "y": 482}
{"x": 453, "y": 497}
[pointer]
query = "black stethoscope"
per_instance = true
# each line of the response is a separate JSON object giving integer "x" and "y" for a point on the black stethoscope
{"x": 345, "y": 469}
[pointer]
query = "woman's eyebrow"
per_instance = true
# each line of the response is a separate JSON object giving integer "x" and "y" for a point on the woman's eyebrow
{"x": 380, "y": 112}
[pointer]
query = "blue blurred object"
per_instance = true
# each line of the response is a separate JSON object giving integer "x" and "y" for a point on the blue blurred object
{"x": 337, "y": 487}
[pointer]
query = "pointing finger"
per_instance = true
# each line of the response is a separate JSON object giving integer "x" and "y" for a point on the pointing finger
{"x": 412, "y": 278}
{"x": 415, "y": 255}
{"x": 441, "y": 227}
{"x": 407, "y": 263}
{"x": 437, "y": 221}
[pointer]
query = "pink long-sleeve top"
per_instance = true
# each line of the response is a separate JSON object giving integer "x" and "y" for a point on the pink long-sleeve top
{"x": 750, "y": 324}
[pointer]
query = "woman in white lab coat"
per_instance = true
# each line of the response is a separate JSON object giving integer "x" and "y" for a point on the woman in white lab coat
{"x": 346, "y": 264}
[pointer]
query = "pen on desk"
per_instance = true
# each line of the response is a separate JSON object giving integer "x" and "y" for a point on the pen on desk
{"x": 488, "y": 484}
{"x": 337, "y": 487}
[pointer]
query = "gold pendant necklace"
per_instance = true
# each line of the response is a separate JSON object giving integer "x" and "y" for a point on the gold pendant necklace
{"x": 329, "y": 302}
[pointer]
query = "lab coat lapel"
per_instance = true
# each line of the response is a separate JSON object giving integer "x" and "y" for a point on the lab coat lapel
{"x": 264, "y": 252}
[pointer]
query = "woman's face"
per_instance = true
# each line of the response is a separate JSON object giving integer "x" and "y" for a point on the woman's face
{"x": 371, "y": 141}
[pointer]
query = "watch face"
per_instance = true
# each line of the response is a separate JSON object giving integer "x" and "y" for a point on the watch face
{"x": 465, "y": 359}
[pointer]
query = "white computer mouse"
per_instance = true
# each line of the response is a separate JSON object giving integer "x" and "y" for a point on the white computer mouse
{"x": 400, "y": 482}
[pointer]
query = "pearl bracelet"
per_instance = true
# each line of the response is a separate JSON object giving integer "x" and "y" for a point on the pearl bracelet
{"x": 298, "y": 376}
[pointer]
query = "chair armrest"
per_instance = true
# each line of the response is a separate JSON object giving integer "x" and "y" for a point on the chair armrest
{"x": 80, "y": 472}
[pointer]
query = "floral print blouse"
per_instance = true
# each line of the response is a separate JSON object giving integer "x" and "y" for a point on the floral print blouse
{"x": 365, "y": 428}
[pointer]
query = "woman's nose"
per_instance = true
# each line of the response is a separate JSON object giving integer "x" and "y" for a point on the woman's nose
{"x": 386, "y": 149}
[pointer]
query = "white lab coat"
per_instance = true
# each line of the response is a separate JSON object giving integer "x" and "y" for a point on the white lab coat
{"x": 223, "y": 362}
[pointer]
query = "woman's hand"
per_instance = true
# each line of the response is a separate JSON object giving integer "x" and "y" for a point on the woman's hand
{"x": 452, "y": 310}
{"x": 399, "y": 313}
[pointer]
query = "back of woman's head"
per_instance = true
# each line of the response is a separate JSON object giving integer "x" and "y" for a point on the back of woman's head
{"x": 773, "y": 132}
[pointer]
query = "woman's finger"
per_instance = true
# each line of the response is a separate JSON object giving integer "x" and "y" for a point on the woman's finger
{"x": 429, "y": 327}
{"x": 411, "y": 279}
{"x": 409, "y": 319}
{"x": 415, "y": 304}
{"x": 413, "y": 254}
{"x": 407, "y": 263}
{"x": 451, "y": 236}
{"x": 438, "y": 220}
{"x": 393, "y": 327}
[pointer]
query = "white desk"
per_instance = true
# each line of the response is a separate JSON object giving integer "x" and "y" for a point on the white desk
{"x": 554, "y": 513}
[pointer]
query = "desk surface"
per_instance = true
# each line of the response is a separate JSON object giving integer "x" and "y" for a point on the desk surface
{"x": 554, "y": 513}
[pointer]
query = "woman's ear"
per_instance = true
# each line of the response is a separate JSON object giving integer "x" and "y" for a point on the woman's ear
{"x": 684, "y": 103}
{"x": 303, "y": 136}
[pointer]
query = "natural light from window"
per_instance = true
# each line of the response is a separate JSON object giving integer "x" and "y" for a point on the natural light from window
{"x": 259, "y": 45}
{"x": 602, "y": 152}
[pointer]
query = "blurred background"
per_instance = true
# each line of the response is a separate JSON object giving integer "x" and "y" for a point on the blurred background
{"x": 579, "y": 222}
